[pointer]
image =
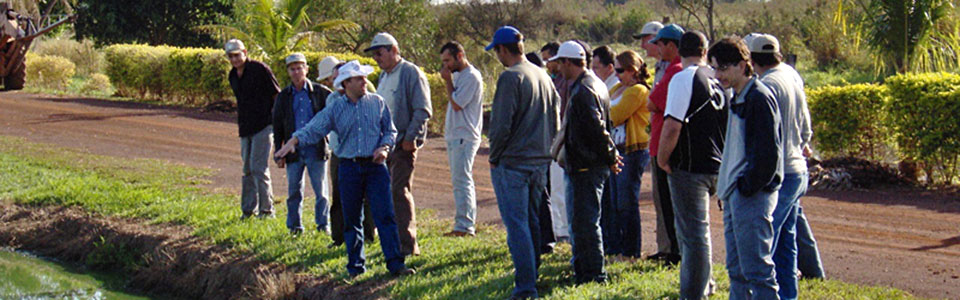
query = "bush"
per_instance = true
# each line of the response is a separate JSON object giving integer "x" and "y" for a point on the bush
{"x": 98, "y": 84}
{"x": 923, "y": 113}
{"x": 47, "y": 71}
{"x": 849, "y": 120}
{"x": 88, "y": 59}
{"x": 438, "y": 100}
{"x": 194, "y": 76}
{"x": 134, "y": 69}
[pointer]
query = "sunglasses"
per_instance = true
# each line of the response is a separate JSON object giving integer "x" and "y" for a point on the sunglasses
{"x": 621, "y": 70}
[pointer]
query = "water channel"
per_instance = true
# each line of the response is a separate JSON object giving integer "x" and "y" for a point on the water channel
{"x": 23, "y": 276}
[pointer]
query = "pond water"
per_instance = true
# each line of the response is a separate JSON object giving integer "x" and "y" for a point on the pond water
{"x": 23, "y": 276}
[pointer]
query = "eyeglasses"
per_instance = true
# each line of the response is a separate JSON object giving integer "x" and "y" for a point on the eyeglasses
{"x": 724, "y": 68}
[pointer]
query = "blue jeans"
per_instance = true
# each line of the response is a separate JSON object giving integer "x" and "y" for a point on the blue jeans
{"x": 808, "y": 256}
{"x": 785, "y": 232}
{"x": 519, "y": 190}
{"x": 748, "y": 230}
{"x": 584, "y": 189}
{"x": 461, "y": 153}
{"x": 359, "y": 179}
{"x": 620, "y": 213}
{"x": 317, "y": 170}
{"x": 691, "y": 205}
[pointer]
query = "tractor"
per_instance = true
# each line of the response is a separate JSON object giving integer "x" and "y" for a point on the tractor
{"x": 17, "y": 32}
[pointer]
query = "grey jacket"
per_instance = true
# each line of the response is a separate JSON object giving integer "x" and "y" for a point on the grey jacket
{"x": 412, "y": 100}
{"x": 525, "y": 116}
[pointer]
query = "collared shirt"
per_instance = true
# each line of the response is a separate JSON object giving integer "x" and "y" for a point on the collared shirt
{"x": 389, "y": 83}
{"x": 302, "y": 113}
{"x": 468, "y": 94}
{"x": 362, "y": 127}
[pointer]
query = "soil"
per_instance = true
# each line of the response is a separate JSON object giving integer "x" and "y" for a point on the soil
{"x": 907, "y": 238}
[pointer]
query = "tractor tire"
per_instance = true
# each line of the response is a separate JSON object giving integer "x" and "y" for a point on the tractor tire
{"x": 16, "y": 79}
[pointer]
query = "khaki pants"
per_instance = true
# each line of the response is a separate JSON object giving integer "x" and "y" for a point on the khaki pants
{"x": 256, "y": 191}
{"x": 400, "y": 163}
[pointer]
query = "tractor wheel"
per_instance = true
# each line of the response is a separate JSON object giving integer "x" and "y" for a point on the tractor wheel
{"x": 16, "y": 79}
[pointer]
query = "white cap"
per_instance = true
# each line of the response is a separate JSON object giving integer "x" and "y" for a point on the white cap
{"x": 233, "y": 46}
{"x": 650, "y": 28}
{"x": 350, "y": 70}
{"x": 570, "y": 49}
{"x": 764, "y": 43}
{"x": 296, "y": 57}
{"x": 749, "y": 38}
{"x": 325, "y": 67}
{"x": 380, "y": 40}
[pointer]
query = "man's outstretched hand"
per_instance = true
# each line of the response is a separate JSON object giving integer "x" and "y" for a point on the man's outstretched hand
{"x": 289, "y": 147}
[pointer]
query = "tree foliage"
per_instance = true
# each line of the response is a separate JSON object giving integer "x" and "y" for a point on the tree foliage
{"x": 167, "y": 22}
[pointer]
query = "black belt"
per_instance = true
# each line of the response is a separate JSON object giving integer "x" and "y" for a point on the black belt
{"x": 360, "y": 159}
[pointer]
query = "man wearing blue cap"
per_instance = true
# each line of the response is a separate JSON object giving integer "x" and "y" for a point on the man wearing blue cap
{"x": 523, "y": 123}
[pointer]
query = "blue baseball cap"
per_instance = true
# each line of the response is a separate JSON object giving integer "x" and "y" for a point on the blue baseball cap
{"x": 670, "y": 32}
{"x": 504, "y": 35}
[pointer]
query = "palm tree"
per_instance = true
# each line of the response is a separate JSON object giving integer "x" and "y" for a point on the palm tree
{"x": 275, "y": 27}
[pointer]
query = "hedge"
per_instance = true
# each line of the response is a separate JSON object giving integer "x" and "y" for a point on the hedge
{"x": 48, "y": 71}
{"x": 198, "y": 76}
{"x": 924, "y": 115}
{"x": 849, "y": 120}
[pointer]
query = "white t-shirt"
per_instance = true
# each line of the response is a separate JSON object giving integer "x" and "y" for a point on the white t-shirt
{"x": 679, "y": 93}
{"x": 619, "y": 132}
{"x": 468, "y": 94}
{"x": 611, "y": 81}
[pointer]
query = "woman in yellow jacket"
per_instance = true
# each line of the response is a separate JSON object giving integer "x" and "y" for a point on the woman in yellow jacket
{"x": 620, "y": 219}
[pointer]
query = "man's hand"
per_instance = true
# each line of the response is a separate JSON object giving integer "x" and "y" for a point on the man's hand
{"x": 664, "y": 162}
{"x": 281, "y": 162}
{"x": 615, "y": 168}
{"x": 380, "y": 154}
{"x": 445, "y": 74}
{"x": 409, "y": 146}
{"x": 807, "y": 152}
{"x": 289, "y": 147}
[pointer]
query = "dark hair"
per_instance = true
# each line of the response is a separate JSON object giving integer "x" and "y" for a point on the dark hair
{"x": 692, "y": 44}
{"x": 551, "y": 47}
{"x": 452, "y": 46}
{"x": 632, "y": 60}
{"x": 666, "y": 40}
{"x": 575, "y": 61}
{"x": 535, "y": 59}
{"x": 604, "y": 55}
{"x": 513, "y": 48}
{"x": 586, "y": 50}
{"x": 731, "y": 50}
{"x": 766, "y": 59}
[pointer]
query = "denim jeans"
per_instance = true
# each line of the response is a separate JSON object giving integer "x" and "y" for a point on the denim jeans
{"x": 317, "y": 170}
{"x": 584, "y": 190}
{"x": 257, "y": 193}
{"x": 359, "y": 179}
{"x": 748, "y": 230}
{"x": 519, "y": 190}
{"x": 785, "y": 232}
{"x": 461, "y": 153}
{"x": 620, "y": 213}
{"x": 808, "y": 256}
{"x": 691, "y": 203}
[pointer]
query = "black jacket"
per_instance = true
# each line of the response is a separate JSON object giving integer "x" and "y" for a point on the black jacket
{"x": 255, "y": 93}
{"x": 284, "y": 123}
{"x": 588, "y": 143}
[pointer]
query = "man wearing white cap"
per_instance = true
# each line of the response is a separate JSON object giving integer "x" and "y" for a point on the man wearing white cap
{"x": 588, "y": 155}
{"x": 787, "y": 87}
{"x": 363, "y": 121}
{"x": 325, "y": 70}
{"x": 255, "y": 87}
{"x": 523, "y": 122}
{"x": 294, "y": 107}
{"x": 647, "y": 33}
{"x": 406, "y": 91}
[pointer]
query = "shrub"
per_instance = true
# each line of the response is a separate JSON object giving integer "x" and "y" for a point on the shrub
{"x": 135, "y": 69}
{"x": 923, "y": 113}
{"x": 88, "y": 59}
{"x": 439, "y": 99}
{"x": 47, "y": 71}
{"x": 849, "y": 120}
{"x": 194, "y": 76}
{"x": 97, "y": 83}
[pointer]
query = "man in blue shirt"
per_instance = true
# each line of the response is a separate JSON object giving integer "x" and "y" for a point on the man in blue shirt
{"x": 294, "y": 107}
{"x": 362, "y": 122}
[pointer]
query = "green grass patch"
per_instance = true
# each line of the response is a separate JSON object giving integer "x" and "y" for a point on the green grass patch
{"x": 450, "y": 268}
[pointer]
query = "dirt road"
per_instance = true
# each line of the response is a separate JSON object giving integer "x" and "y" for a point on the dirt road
{"x": 901, "y": 238}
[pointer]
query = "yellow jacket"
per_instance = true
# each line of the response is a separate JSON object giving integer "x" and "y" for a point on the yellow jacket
{"x": 632, "y": 110}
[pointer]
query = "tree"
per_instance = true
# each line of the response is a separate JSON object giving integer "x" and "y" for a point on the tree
{"x": 273, "y": 28}
{"x": 168, "y": 22}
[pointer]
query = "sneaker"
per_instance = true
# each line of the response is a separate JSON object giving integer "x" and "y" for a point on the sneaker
{"x": 404, "y": 272}
{"x": 246, "y": 216}
{"x": 296, "y": 231}
{"x": 457, "y": 233}
{"x": 325, "y": 230}
{"x": 263, "y": 216}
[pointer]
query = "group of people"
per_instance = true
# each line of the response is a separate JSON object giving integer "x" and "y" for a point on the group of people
{"x": 571, "y": 131}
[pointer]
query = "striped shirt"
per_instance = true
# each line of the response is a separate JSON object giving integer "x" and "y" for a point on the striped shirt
{"x": 362, "y": 127}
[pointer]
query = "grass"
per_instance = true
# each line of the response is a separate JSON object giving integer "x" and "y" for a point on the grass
{"x": 450, "y": 268}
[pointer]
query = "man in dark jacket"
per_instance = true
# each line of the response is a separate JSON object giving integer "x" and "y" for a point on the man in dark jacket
{"x": 587, "y": 153}
{"x": 255, "y": 88}
{"x": 295, "y": 106}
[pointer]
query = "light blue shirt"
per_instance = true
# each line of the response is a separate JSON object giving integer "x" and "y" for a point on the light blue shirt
{"x": 302, "y": 113}
{"x": 362, "y": 127}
